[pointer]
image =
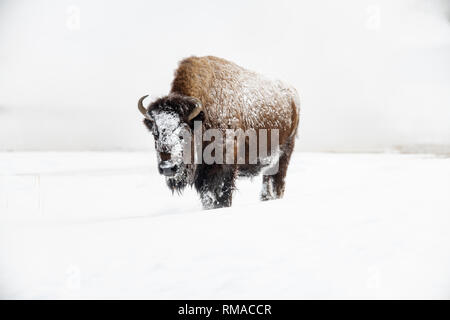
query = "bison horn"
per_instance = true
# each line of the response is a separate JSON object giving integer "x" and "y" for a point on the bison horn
{"x": 141, "y": 107}
{"x": 198, "y": 108}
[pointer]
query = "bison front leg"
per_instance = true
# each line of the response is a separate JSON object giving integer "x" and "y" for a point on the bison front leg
{"x": 215, "y": 184}
{"x": 273, "y": 185}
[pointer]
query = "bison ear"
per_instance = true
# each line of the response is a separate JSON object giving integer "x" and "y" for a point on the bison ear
{"x": 197, "y": 113}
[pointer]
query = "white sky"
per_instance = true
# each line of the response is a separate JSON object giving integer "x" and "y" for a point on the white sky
{"x": 372, "y": 75}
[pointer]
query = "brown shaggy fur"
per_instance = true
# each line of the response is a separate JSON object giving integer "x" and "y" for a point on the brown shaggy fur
{"x": 210, "y": 78}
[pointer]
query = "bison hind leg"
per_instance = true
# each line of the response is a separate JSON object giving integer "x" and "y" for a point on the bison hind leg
{"x": 273, "y": 185}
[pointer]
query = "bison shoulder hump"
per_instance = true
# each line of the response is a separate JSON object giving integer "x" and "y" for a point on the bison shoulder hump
{"x": 193, "y": 77}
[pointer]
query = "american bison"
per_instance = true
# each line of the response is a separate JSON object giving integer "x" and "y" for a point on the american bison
{"x": 210, "y": 93}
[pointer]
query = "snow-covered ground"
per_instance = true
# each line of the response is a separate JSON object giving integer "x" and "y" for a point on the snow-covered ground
{"x": 103, "y": 225}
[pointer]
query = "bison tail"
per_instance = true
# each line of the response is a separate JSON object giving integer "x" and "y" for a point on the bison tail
{"x": 295, "y": 104}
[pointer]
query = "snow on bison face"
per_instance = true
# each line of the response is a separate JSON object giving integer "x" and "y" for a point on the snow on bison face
{"x": 168, "y": 132}
{"x": 169, "y": 120}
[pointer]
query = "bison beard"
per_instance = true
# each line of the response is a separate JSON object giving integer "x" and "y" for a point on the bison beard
{"x": 176, "y": 184}
{"x": 214, "y": 183}
{"x": 222, "y": 95}
{"x": 180, "y": 180}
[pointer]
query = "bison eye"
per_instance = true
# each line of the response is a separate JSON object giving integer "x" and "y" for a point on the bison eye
{"x": 149, "y": 124}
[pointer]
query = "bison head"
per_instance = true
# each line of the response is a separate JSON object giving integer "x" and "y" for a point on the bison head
{"x": 170, "y": 119}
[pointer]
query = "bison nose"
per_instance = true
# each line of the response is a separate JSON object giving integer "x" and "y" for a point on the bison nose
{"x": 166, "y": 168}
{"x": 164, "y": 156}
